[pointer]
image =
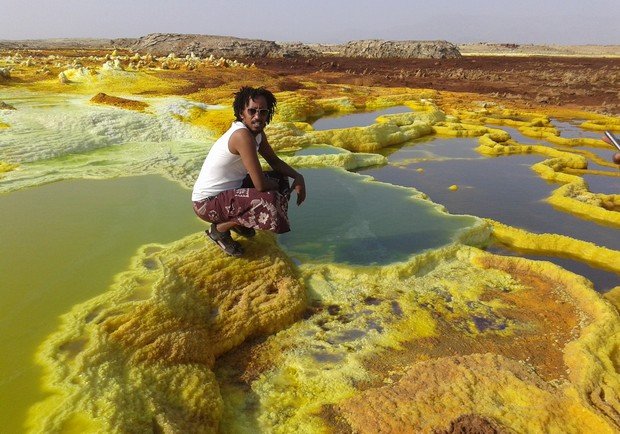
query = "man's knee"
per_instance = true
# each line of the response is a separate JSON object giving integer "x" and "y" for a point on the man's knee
{"x": 267, "y": 196}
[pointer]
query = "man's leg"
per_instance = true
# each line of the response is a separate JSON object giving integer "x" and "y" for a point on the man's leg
{"x": 226, "y": 226}
{"x": 224, "y": 241}
{"x": 212, "y": 210}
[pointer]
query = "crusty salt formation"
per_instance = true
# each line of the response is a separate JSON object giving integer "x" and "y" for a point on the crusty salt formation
{"x": 102, "y": 98}
{"x": 557, "y": 245}
{"x": 413, "y": 347}
{"x": 433, "y": 393}
{"x": 6, "y": 167}
{"x": 140, "y": 356}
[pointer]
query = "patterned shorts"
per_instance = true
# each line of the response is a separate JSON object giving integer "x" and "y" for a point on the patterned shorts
{"x": 266, "y": 210}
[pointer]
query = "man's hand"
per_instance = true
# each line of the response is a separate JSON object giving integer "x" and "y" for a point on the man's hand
{"x": 608, "y": 139}
{"x": 271, "y": 184}
{"x": 299, "y": 185}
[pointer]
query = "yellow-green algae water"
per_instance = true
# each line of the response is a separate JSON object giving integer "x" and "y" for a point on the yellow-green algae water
{"x": 408, "y": 328}
{"x": 62, "y": 244}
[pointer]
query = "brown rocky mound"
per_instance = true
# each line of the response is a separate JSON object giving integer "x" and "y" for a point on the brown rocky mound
{"x": 162, "y": 44}
{"x": 374, "y": 48}
{"x": 102, "y": 98}
{"x": 472, "y": 424}
{"x": 5, "y": 106}
{"x": 494, "y": 49}
{"x": 229, "y": 47}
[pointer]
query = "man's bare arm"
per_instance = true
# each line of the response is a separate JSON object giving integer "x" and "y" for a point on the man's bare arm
{"x": 243, "y": 144}
{"x": 299, "y": 184}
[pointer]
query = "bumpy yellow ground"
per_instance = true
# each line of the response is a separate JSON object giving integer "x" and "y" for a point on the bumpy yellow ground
{"x": 412, "y": 347}
{"x": 456, "y": 336}
{"x": 139, "y": 358}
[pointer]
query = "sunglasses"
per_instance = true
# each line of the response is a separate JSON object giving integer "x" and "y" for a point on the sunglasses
{"x": 261, "y": 112}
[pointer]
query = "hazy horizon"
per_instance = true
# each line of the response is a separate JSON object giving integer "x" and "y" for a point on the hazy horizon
{"x": 527, "y": 22}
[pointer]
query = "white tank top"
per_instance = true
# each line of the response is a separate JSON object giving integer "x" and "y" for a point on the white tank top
{"x": 222, "y": 170}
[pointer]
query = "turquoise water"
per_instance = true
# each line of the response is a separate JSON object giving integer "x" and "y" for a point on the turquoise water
{"x": 347, "y": 219}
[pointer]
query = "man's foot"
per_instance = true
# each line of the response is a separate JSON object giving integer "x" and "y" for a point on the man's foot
{"x": 225, "y": 242}
{"x": 243, "y": 231}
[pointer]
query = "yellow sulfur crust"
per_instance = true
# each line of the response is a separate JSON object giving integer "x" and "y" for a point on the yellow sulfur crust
{"x": 140, "y": 356}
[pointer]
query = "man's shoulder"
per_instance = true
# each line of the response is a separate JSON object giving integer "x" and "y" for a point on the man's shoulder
{"x": 241, "y": 138}
{"x": 242, "y": 134}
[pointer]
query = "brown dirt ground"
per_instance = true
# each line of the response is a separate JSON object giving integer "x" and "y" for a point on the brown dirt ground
{"x": 579, "y": 83}
{"x": 582, "y": 83}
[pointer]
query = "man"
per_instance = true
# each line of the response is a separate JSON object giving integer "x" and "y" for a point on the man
{"x": 612, "y": 140}
{"x": 232, "y": 192}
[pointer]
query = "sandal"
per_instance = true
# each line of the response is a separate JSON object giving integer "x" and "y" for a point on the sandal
{"x": 243, "y": 231}
{"x": 225, "y": 242}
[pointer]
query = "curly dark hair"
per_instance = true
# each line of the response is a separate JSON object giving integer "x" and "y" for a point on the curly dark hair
{"x": 246, "y": 93}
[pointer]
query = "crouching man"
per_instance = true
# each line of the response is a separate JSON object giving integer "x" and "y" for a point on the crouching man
{"x": 232, "y": 191}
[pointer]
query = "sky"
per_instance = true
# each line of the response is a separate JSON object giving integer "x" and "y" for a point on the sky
{"x": 567, "y": 22}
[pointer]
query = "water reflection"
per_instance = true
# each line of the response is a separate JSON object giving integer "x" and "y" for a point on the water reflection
{"x": 502, "y": 188}
{"x": 317, "y": 150}
{"x": 518, "y": 136}
{"x": 434, "y": 148}
{"x": 603, "y": 184}
{"x": 567, "y": 130}
{"x": 356, "y": 119}
{"x": 570, "y": 129}
{"x": 603, "y": 280}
